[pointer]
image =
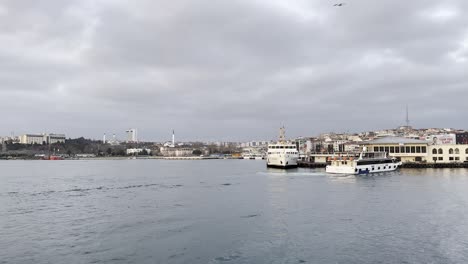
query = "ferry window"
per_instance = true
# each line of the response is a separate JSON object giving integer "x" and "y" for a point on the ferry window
{"x": 372, "y": 168}
{"x": 407, "y": 149}
{"x": 457, "y": 158}
{"x": 387, "y": 149}
{"x": 418, "y": 149}
{"x": 440, "y": 151}
{"x": 434, "y": 151}
{"x": 392, "y": 149}
{"x": 441, "y": 158}
{"x": 450, "y": 151}
{"x": 450, "y": 158}
{"x": 378, "y": 168}
{"x": 457, "y": 151}
{"x": 413, "y": 149}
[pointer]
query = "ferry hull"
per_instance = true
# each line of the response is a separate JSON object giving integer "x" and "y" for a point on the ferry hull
{"x": 364, "y": 169}
{"x": 282, "y": 166}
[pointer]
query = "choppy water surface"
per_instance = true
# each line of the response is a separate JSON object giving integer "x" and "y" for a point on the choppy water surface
{"x": 227, "y": 211}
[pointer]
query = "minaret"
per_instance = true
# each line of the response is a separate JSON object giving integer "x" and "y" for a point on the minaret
{"x": 173, "y": 138}
{"x": 104, "y": 139}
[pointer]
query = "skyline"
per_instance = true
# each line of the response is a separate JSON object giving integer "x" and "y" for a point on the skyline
{"x": 124, "y": 137}
{"x": 231, "y": 71}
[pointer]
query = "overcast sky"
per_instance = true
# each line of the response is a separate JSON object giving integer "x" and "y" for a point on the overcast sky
{"x": 231, "y": 70}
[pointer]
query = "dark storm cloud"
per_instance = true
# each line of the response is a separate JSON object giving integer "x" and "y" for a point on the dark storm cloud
{"x": 230, "y": 70}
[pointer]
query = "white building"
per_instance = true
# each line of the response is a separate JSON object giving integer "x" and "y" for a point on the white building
{"x": 55, "y": 138}
{"x": 176, "y": 151}
{"x": 137, "y": 151}
{"x": 32, "y": 139}
{"x": 132, "y": 135}
{"x": 42, "y": 138}
{"x": 448, "y": 153}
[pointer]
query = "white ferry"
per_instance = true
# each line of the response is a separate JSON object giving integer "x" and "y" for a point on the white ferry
{"x": 368, "y": 162}
{"x": 282, "y": 154}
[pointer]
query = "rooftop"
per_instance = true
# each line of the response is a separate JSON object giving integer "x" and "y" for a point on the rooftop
{"x": 394, "y": 140}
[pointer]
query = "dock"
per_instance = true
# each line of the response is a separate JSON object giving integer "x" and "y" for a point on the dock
{"x": 309, "y": 164}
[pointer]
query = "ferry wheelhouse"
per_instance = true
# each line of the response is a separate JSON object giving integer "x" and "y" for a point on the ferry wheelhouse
{"x": 367, "y": 162}
{"x": 282, "y": 154}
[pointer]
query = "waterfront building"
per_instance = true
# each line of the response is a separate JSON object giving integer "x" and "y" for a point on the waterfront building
{"x": 176, "y": 151}
{"x": 132, "y": 151}
{"x": 448, "y": 153}
{"x": 404, "y": 149}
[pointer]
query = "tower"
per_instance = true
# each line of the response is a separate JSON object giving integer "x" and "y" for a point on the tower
{"x": 407, "y": 117}
{"x": 104, "y": 139}
{"x": 132, "y": 135}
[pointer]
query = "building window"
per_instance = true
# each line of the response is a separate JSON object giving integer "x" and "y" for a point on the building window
{"x": 418, "y": 149}
{"x": 434, "y": 158}
{"x": 376, "y": 149}
{"x": 413, "y": 149}
{"x": 423, "y": 149}
{"x": 450, "y": 151}
{"x": 457, "y": 151}
{"x": 440, "y": 151}
{"x": 441, "y": 158}
{"x": 434, "y": 151}
{"x": 408, "y": 149}
{"x": 466, "y": 151}
{"x": 382, "y": 149}
{"x": 397, "y": 149}
{"x": 450, "y": 158}
{"x": 392, "y": 149}
{"x": 402, "y": 149}
{"x": 457, "y": 158}
{"x": 387, "y": 149}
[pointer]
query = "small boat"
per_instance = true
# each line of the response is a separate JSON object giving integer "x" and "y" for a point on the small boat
{"x": 368, "y": 162}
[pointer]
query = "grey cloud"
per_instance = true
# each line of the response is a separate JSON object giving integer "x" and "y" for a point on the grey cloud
{"x": 230, "y": 70}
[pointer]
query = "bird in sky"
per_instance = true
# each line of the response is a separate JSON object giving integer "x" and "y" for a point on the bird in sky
{"x": 339, "y": 4}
